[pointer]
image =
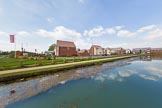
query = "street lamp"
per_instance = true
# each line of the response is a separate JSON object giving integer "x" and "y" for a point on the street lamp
{"x": 92, "y": 47}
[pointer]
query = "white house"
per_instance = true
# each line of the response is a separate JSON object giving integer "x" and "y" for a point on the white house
{"x": 96, "y": 50}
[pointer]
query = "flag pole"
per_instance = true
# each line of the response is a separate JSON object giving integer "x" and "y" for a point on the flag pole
{"x": 15, "y": 46}
{"x": 13, "y": 40}
{"x": 15, "y": 50}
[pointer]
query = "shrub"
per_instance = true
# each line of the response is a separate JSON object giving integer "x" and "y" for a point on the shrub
{"x": 99, "y": 63}
{"x": 22, "y": 57}
{"x": 11, "y": 55}
{"x": 21, "y": 63}
{"x": 49, "y": 57}
{"x": 40, "y": 62}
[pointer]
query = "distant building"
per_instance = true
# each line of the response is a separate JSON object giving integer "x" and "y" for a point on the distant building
{"x": 25, "y": 54}
{"x": 65, "y": 48}
{"x": 83, "y": 53}
{"x": 117, "y": 51}
{"x": 136, "y": 51}
{"x": 96, "y": 50}
{"x": 49, "y": 52}
{"x": 128, "y": 51}
{"x": 18, "y": 54}
{"x": 108, "y": 51}
{"x": 156, "y": 50}
{"x": 141, "y": 51}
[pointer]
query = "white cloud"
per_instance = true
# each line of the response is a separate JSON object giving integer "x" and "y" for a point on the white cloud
{"x": 3, "y": 34}
{"x": 124, "y": 45}
{"x": 95, "y": 32}
{"x": 155, "y": 34}
{"x": 150, "y": 32}
{"x": 118, "y": 27}
{"x": 150, "y": 38}
{"x": 99, "y": 31}
{"x": 82, "y": 43}
{"x": 60, "y": 32}
{"x": 125, "y": 33}
{"x": 147, "y": 28}
{"x": 50, "y": 20}
{"x": 44, "y": 33}
{"x": 5, "y": 42}
{"x": 23, "y": 33}
{"x": 109, "y": 31}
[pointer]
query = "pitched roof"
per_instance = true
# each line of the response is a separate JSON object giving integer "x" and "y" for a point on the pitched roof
{"x": 156, "y": 48}
{"x": 119, "y": 48}
{"x": 142, "y": 48}
{"x": 96, "y": 46}
{"x": 82, "y": 51}
{"x": 65, "y": 43}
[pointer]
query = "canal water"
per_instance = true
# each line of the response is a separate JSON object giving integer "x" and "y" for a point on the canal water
{"x": 130, "y": 83}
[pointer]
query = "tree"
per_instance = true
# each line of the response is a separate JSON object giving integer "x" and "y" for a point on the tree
{"x": 52, "y": 47}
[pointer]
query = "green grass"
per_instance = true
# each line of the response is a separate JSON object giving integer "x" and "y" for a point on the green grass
{"x": 12, "y": 76}
{"x": 12, "y": 63}
{"x": 56, "y": 69}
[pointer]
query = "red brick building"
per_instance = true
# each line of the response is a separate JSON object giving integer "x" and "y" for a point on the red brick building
{"x": 141, "y": 51}
{"x": 82, "y": 53}
{"x": 156, "y": 50}
{"x": 65, "y": 48}
{"x": 96, "y": 50}
{"x": 117, "y": 51}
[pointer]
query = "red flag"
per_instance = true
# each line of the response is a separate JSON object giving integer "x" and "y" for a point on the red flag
{"x": 12, "y": 38}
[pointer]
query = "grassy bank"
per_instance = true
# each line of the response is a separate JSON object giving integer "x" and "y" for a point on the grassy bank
{"x": 29, "y": 72}
{"x": 12, "y": 63}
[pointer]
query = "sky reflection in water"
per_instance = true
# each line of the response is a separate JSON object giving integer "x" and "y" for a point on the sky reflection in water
{"x": 146, "y": 70}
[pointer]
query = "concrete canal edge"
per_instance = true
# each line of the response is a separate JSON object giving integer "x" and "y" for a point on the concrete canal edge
{"x": 11, "y": 75}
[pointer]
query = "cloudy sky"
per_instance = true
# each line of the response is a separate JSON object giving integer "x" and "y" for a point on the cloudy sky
{"x": 109, "y": 23}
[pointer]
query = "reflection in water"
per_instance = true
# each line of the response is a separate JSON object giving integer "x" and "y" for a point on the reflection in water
{"x": 155, "y": 70}
{"x": 120, "y": 75}
{"x": 148, "y": 77}
{"x": 147, "y": 71}
{"x": 32, "y": 87}
{"x": 116, "y": 71}
{"x": 127, "y": 73}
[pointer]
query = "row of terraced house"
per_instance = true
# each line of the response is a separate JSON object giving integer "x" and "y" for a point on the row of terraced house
{"x": 147, "y": 50}
{"x": 67, "y": 48}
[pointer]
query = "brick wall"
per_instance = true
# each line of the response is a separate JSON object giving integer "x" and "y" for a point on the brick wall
{"x": 156, "y": 51}
{"x": 91, "y": 51}
{"x": 118, "y": 52}
{"x": 83, "y": 54}
{"x": 67, "y": 51}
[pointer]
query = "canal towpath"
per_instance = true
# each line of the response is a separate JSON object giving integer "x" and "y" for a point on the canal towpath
{"x": 61, "y": 65}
